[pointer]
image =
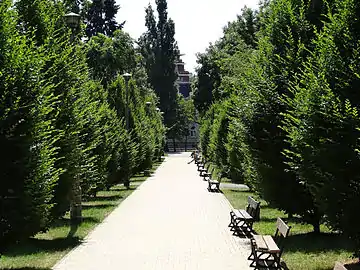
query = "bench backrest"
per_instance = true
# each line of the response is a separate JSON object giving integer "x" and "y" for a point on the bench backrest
{"x": 253, "y": 208}
{"x": 220, "y": 176}
{"x": 282, "y": 227}
{"x": 282, "y": 231}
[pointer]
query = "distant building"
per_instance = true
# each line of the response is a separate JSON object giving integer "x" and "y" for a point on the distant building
{"x": 184, "y": 86}
{"x": 183, "y": 80}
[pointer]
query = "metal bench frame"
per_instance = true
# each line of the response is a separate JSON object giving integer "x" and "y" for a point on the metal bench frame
{"x": 213, "y": 183}
{"x": 202, "y": 166}
{"x": 266, "y": 257}
{"x": 240, "y": 223}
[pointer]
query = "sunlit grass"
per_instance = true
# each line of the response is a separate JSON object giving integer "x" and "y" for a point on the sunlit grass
{"x": 303, "y": 249}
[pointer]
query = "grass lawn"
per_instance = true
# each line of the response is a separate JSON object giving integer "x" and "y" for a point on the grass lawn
{"x": 45, "y": 249}
{"x": 303, "y": 250}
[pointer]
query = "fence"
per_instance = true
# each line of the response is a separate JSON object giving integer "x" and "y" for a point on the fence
{"x": 180, "y": 146}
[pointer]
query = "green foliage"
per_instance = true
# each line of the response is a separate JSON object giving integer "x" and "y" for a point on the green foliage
{"x": 239, "y": 36}
{"x": 280, "y": 109}
{"x": 28, "y": 136}
{"x": 323, "y": 122}
{"x": 205, "y": 132}
{"x": 39, "y": 18}
{"x": 109, "y": 56}
{"x": 146, "y": 129}
{"x": 218, "y": 136}
{"x": 159, "y": 50}
{"x": 100, "y": 18}
{"x": 62, "y": 116}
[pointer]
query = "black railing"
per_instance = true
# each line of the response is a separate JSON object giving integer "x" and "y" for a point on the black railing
{"x": 180, "y": 146}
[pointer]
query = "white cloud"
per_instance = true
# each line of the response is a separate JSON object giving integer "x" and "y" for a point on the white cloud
{"x": 197, "y": 22}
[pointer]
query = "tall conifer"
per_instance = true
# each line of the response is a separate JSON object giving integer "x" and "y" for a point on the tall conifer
{"x": 159, "y": 49}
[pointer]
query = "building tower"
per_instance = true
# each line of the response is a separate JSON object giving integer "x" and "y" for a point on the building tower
{"x": 183, "y": 80}
{"x": 184, "y": 85}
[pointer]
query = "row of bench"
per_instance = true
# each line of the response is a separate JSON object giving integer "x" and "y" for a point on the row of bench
{"x": 266, "y": 250}
{"x": 213, "y": 184}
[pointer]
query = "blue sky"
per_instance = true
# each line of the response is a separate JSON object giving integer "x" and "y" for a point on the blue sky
{"x": 197, "y": 22}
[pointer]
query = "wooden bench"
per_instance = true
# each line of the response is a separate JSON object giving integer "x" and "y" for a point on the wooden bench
{"x": 202, "y": 166}
{"x": 206, "y": 174}
{"x": 266, "y": 251}
{"x": 200, "y": 162}
{"x": 213, "y": 185}
{"x": 243, "y": 219}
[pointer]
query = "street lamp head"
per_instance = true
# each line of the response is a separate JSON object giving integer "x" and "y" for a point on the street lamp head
{"x": 72, "y": 19}
{"x": 127, "y": 76}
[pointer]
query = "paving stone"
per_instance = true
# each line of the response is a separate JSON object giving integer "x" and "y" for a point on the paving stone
{"x": 170, "y": 222}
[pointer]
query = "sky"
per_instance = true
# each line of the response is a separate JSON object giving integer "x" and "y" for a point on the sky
{"x": 197, "y": 22}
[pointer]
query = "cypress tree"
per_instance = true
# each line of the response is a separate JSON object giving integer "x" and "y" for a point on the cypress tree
{"x": 322, "y": 122}
{"x": 100, "y": 18}
{"x": 28, "y": 135}
{"x": 159, "y": 49}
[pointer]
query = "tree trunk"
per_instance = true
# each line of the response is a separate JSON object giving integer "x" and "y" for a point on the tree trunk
{"x": 127, "y": 180}
{"x": 316, "y": 226}
{"x": 186, "y": 142}
{"x": 75, "y": 204}
{"x": 174, "y": 144}
{"x": 127, "y": 183}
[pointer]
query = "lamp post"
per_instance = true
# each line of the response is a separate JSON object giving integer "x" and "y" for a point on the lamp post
{"x": 72, "y": 20}
{"x": 127, "y": 77}
{"x": 148, "y": 104}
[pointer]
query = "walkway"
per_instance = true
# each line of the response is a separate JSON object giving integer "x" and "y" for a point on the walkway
{"x": 170, "y": 222}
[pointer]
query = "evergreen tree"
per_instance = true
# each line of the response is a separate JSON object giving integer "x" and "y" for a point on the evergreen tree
{"x": 74, "y": 5}
{"x": 38, "y": 17}
{"x": 100, "y": 18}
{"x": 109, "y": 56}
{"x": 322, "y": 122}
{"x": 28, "y": 135}
{"x": 238, "y": 35}
{"x": 159, "y": 49}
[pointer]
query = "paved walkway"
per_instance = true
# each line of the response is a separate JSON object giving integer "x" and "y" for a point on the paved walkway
{"x": 170, "y": 222}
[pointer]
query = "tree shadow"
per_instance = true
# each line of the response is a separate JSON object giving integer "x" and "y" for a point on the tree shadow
{"x": 66, "y": 222}
{"x": 98, "y": 206}
{"x": 139, "y": 180}
{"x": 105, "y": 198}
{"x": 266, "y": 206}
{"x": 90, "y": 220}
{"x": 62, "y": 222}
{"x": 271, "y": 220}
{"x": 240, "y": 191}
{"x": 34, "y": 245}
{"x": 117, "y": 188}
{"x": 317, "y": 243}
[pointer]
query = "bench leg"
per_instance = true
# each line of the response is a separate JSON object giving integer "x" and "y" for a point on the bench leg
{"x": 231, "y": 219}
{"x": 252, "y": 256}
{"x": 270, "y": 261}
{"x": 218, "y": 187}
